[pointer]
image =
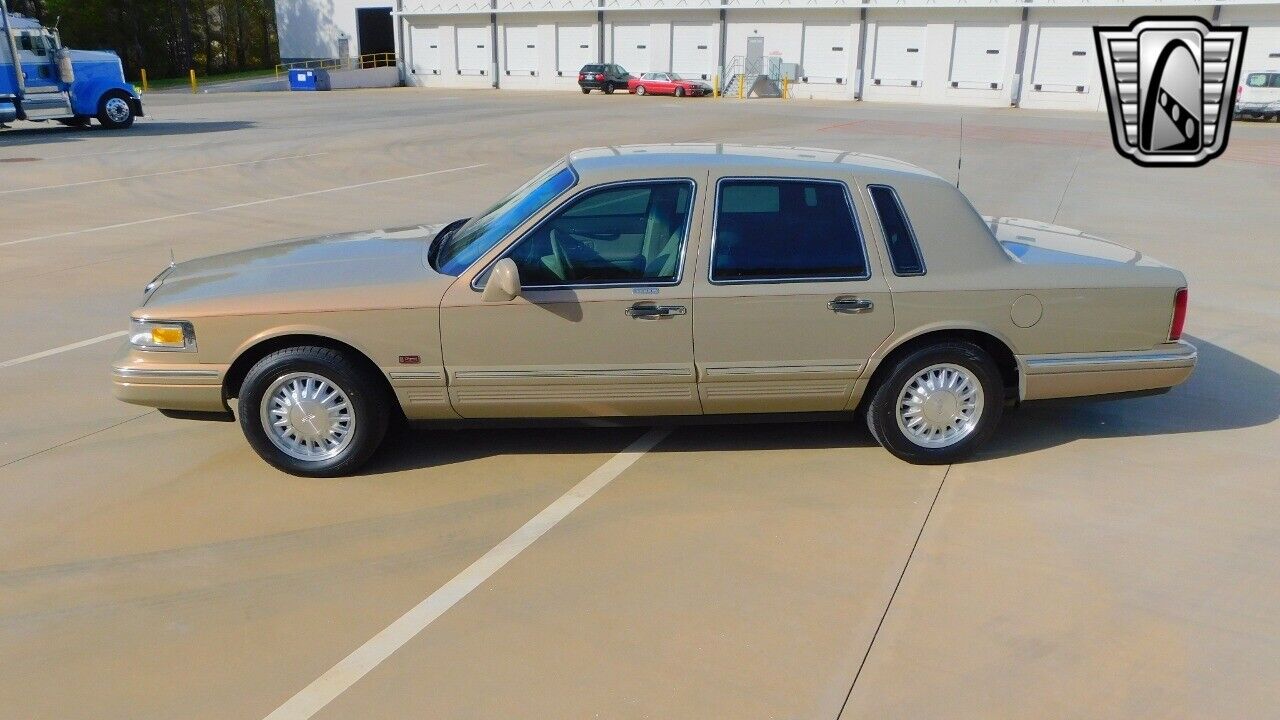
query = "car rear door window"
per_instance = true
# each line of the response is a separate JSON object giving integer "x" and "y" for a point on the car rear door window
{"x": 622, "y": 234}
{"x": 899, "y": 238}
{"x": 785, "y": 230}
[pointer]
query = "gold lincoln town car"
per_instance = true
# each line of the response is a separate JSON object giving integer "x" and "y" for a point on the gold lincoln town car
{"x": 662, "y": 280}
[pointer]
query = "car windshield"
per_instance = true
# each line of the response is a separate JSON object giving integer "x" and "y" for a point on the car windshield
{"x": 469, "y": 242}
{"x": 674, "y": 76}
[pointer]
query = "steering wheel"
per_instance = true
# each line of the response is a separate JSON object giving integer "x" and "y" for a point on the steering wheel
{"x": 562, "y": 257}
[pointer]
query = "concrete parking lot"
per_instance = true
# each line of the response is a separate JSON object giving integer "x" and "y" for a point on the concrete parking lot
{"x": 1097, "y": 560}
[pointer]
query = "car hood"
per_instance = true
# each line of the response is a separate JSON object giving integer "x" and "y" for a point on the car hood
{"x": 355, "y": 271}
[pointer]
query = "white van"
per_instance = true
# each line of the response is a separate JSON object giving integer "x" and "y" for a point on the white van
{"x": 1259, "y": 95}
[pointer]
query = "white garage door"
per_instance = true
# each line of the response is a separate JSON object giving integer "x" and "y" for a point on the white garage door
{"x": 691, "y": 53}
{"x": 474, "y": 53}
{"x": 826, "y": 52}
{"x": 899, "y": 57}
{"x": 521, "y": 49}
{"x": 575, "y": 47}
{"x": 978, "y": 56}
{"x": 426, "y": 49}
{"x": 1262, "y": 48}
{"x": 1065, "y": 59}
{"x": 631, "y": 48}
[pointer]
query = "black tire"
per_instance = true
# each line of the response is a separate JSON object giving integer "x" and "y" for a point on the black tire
{"x": 78, "y": 121}
{"x": 367, "y": 397}
{"x": 679, "y": 92}
{"x": 608, "y": 88}
{"x": 882, "y": 410}
{"x": 586, "y": 91}
{"x": 640, "y": 90}
{"x": 109, "y": 118}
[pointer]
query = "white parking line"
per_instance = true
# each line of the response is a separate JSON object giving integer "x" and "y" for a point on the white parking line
{"x": 64, "y": 348}
{"x": 237, "y": 205}
{"x": 324, "y": 689}
{"x": 157, "y": 174}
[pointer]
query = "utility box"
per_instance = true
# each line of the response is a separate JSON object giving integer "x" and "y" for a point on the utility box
{"x": 308, "y": 80}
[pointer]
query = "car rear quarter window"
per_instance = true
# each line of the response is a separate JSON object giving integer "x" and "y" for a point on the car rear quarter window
{"x": 899, "y": 238}
{"x": 785, "y": 230}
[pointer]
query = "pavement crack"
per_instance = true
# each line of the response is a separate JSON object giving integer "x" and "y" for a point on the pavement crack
{"x": 893, "y": 594}
{"x": 64, "y": 443}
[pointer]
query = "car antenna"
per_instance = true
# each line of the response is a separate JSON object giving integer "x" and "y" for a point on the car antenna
{"x": 960, "y": 156}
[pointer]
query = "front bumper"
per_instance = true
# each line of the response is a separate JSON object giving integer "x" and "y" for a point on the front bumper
{"x": 1267, "y": 108}
{"x": 1078, "y": 374}
{"x": 161, "y": 380}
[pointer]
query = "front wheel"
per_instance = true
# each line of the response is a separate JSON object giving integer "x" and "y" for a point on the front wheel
{"x": 938, "y": 404}
{"x": 679, "y": 92}
{"x": 115, "y": 110}
{"x": 639, "y": 89}
{"x": 311, "y": 411}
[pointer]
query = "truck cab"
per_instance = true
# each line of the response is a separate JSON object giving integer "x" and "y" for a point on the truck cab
{"x": 41, "y": 80}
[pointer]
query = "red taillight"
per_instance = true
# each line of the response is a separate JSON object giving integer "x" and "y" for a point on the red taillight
{"x": 1179, "y": 314}
{"x": 599, "y": 78}
{"x": 1239, "y": 91}
{"x": 581, "y": 76}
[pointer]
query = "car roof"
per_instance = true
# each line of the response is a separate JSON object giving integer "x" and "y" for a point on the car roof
{"x": 728, "y": 156}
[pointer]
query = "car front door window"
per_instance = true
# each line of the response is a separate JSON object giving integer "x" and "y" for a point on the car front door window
{"x": 624, "y": 234}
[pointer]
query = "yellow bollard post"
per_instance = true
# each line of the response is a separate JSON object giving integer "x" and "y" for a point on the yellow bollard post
{"x": 145, "y": 87}
{"x": 784, "y": 87}
{"x": 741, "y": 79}
{"x": 715, "y": 85}
{"x": 193, "y": 79}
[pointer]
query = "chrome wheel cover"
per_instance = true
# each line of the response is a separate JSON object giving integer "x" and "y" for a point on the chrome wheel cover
{"x": 307, "y": 417}
{"x": 940, "y": 406}
{"x": 118, "y": 109}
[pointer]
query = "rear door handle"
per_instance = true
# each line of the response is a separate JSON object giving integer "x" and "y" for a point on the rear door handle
{"x": 850, "y": 305}
{"x": 641, "y": 310}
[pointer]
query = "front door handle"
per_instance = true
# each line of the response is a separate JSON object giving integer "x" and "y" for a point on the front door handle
{"x": 643, "y": 310}
{"x": 850, "y": 305}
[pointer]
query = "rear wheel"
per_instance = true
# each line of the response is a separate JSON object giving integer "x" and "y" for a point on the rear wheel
{"x": 639, "y": 89}
{"x": 608, "y": 89}
{"x": 938, "y": 404}
{"x": 311, "y": 411}
{"x": 115, "y": 110}
{"x": 586, "y": 91}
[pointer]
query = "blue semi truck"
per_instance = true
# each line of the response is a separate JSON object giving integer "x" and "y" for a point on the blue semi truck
{"x": 41, "y": 80}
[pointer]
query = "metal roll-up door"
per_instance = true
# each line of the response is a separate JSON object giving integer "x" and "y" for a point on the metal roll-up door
{"x": 691, "y": 50}
{"x": 521, "y": 49}
{"x": 631, "y": 47}
{"x": 978, "y": 56}
{"x": 1064, "y": 59}
{"x": 474, "y": 53}
{"x": 826, "y": 52}
{"x": 575, "y": 47}
{"x": 426, "y": 49}
{"x": 899, "y": 55}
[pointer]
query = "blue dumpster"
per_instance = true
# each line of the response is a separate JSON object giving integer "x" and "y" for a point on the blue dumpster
{"x": 308, "y": 80}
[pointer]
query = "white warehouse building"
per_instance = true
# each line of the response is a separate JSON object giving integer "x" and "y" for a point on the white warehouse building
{"x": 1029, "y": 53}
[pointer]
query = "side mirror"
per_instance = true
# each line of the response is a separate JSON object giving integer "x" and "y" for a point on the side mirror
{"x": 504, "y": 282}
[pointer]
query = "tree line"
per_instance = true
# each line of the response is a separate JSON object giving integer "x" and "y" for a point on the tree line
{"x": 167, "y": 37}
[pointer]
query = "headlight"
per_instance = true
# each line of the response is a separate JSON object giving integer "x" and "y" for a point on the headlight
{"x": 162, "y": 335}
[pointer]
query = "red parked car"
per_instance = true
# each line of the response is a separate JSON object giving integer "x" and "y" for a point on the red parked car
{"x": 664, "y": 83}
